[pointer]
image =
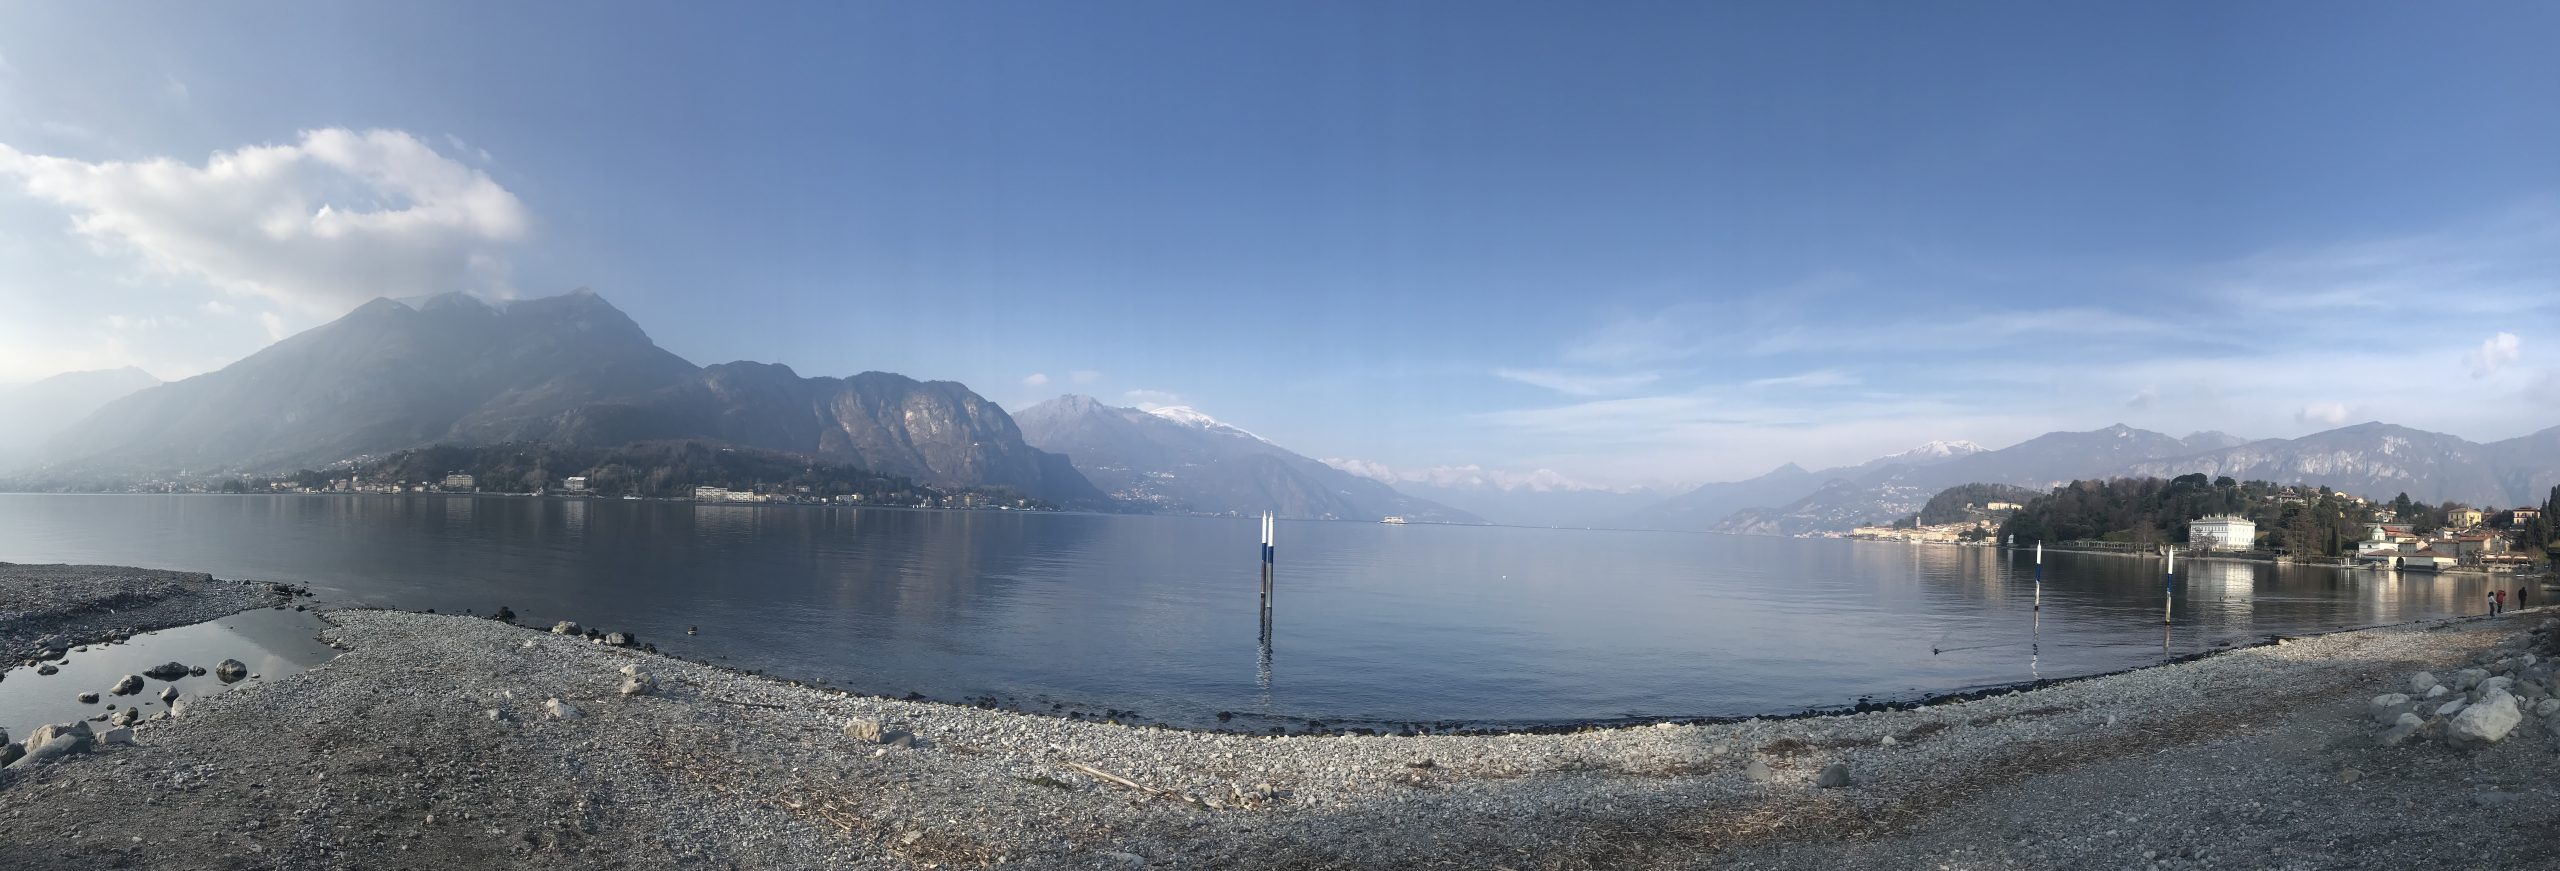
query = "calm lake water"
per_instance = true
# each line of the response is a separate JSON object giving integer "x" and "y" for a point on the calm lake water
{"x": 1372, "y": 624}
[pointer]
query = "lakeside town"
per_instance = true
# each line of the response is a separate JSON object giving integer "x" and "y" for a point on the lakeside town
{"x": 2397, "y": 535}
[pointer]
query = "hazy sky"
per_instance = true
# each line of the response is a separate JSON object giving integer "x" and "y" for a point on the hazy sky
{"x": 1627, "y": 243}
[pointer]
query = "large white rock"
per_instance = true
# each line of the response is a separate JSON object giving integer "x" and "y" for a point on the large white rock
{"x": 2486, "y": 722}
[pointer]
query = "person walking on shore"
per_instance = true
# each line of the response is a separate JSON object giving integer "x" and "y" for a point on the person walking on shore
{"x": 2499, "y": 606}
{"x": 2493, "y": 603}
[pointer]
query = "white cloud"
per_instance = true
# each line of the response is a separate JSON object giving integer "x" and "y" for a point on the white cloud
{"x": 2494, "y": 354}
{"x": 322, "y": 224}
{"x": 2144, "y": 398}
{"x": 274, "y": 323}
{"x": 1150, "y": 400}
{"x": 1577, "y": 383}
{"x": 218, "y": 307}
{"x": 1816, "y": 378}
{"x": 1035, "y": 379}
{"x": 176, "y": 90}
{"x": 2323, "y": 413}
{"x": 1084, "y": 376}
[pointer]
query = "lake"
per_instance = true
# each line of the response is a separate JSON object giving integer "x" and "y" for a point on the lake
{"x": 1371, "y": 623}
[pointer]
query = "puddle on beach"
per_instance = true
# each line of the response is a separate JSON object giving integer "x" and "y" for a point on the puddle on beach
{"x": 271, "y": 643}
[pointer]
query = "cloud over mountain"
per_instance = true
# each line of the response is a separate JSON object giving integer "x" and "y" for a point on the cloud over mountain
{"x": 335, "y": 218}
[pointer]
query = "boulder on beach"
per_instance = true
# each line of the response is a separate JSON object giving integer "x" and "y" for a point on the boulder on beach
{"x": 1833, "y": 776}
{"x": 230, "y": 670}
{"x": 2401, "y": 731}
{"x": 127, "y": 685}
{"x": 88, "y": 698}
{"x": 2486, "y": 722}
{"x": 166, "y": 671}
{"x": 47, "y": 733}
{"x": 566, "y": 627}
{"x": 864, "y": 730}
{"x": 638, "y": 684}
{"x": 126, "y": 717}
{"x": 116, "y": 736}
{"x": 560, "y": 710}
{"x": 168, "y": 694}
{"x": 10, "y": 753}
{"x": 59, "y": 746}
{"x": 2419, "y": 683}
{"x": 2469, "y": 677}
{"x": 48, "y": 669}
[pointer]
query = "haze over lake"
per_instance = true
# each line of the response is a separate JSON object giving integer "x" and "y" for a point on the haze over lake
{"x": 1372, "y": 623}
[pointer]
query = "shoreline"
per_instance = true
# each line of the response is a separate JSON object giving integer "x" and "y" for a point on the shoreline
{"x": 174, "y": 586}
{"x": 431, "y": 740}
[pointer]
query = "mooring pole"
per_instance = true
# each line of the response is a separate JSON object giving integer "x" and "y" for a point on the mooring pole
{"x": 2039, "y": 575}
{"x": 2169, "y": 587}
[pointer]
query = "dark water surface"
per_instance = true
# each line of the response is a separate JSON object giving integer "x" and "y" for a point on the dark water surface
{"x": 1372, "y": 623}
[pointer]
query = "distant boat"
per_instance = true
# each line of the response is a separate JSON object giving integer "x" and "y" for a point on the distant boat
{"x": 1393, "y": 518}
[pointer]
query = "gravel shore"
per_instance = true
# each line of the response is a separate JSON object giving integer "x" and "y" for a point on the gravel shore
{"x": 42, "y": 606}
{"x": 432, "y": 743}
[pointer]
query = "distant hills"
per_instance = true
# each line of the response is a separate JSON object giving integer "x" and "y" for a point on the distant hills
{"x": 36, "y": 412}
{"x": 454, "y": 369}
{"x": 2374, "y": 460}
{"x": 1180, "y": 460}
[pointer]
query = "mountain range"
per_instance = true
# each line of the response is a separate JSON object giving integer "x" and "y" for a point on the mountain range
{"x": 2374, "y": 460}
{"x": 1180, "y": 460}
{"x": 573, "y": 369}
{"x": 37, "y": 411}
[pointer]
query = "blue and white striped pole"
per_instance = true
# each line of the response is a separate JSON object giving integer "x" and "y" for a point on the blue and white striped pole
{"x": 2169, "y": 587}
{"x": 1268, "y": 527}
{"x": 2039, "y": 575}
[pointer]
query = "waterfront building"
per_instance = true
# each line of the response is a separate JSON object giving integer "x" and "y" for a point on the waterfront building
{"x": 574, "y": 484}
{"x": 2222, "y": 532}
{"x": 460, "y": 483}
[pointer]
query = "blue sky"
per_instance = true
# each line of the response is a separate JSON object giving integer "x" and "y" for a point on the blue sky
{"x": 1629, "y": 244}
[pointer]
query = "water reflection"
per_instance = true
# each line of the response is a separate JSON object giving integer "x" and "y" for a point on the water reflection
{"x": 1388, "y": 623}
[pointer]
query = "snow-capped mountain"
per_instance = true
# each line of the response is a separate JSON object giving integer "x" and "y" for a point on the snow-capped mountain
{"x": 1191, "y": 417}
{"x": 1937, "y": 450}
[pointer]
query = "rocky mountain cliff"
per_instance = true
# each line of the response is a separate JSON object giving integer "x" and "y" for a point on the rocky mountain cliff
{"x": 1177, "y": 459}
{"x": 938, "y": 432}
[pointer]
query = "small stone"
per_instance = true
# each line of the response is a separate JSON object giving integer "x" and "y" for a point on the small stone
{"x": 566, "y": 627}
{"x": 1887, "y": 741}
{"x": 230, "y": 670}
{"x": 169, "y": 694}
{"x": 2546, "y": 707}
{"x": 48, "y": 751}
{"x": 1123, "y": 860}
{"x": 1833, "y": 776}
{"x": 47, "y": 669}
{"x": 2387, "y": 700}
{"x": 494, "y": 714}
{"x": 2418, "y": 683}
{"x": 166, "y": 671}
{"x": 180, "y": 707}
{"x": 117, "y": 736}
{"x": 126, "y": 717}
{"x": 863, "y": 730}
{"x": 88, "y": 698}
{"x": 2436, "y": 690}
{"x": 2349, "y": 775}
{"x": 617, "y": 639}
{"x": 529, "y": 644}
{"x": 127, "y": 685}
{"x": 2501, "y": 683}
{"x": 2451, "y": 708}
{"x": 2400, "y": 732}
{"x": 1757, "y": 771}
{"x": 2469, "y": 677}
{"x": 560, "y": 710}
{"x": 639, "y": 685}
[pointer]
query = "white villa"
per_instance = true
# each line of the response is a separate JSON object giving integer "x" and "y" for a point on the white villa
{"x": 2222, "y": 532}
